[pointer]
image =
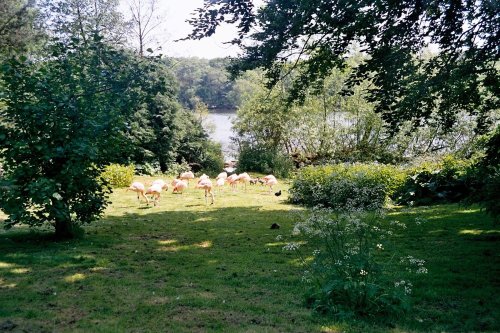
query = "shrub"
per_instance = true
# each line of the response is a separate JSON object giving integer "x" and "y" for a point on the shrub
{"x": 176, "y": 169}
{"x": 349, "y": 275}
{"x": 341, "y": 186}
{"x": 491, "y": 193}
{"x": 212, "y": 159}
{"x": 436, "y": 182}
{"x": 148, "y": 169}
{"x": 119, "y": 175}
{"x": 487, "y": 175}
{"x": 264, "y": 161}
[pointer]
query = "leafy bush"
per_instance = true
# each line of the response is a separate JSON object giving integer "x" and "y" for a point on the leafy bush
{"x": 444, "y": 181}
{"x": 491, "y": 192}
{"x": 349, "y": 275}
{"x": 148, "y": 169}
{"x": 264, "y": 161}
{"x": 487, "y": 173}
{"x": 118, "y": 175}
{"x": 341, "y": 186}
{"x": 176, "y": 169}
{"x": 212, "y": 159}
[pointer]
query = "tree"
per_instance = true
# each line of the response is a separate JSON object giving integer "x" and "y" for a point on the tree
{"x": 17, "y": 25}
{"x": 65, "y": 120}
{"x": 316, "y": 37}
{"x": 327, "y": 126}
{"x": 144, "y": 21}
{"x": 152, "y": 127}
{"x": 66, "y": 19}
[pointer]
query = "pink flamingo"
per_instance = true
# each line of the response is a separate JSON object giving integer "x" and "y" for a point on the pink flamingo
{"x": 206, "y": 184}
{"x": 222, "y": 175}
{"x": 179, "y": 186}
{"x": 203, "y": 177}
{"x": 232, "y": 180}
{"x": 139, "y": 188}
{"x": 270, "y": 181}
{"x": 186, "y": 176}
{"x": 244, "y": 178}
{"x": 220, "y": 183}
{"x": 162, "y": 183}
{"x": 155, "y": 192}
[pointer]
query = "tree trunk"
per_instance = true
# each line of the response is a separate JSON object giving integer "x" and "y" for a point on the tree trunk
{"x": 63, "y": 224}
{"x": 64, "y": 229}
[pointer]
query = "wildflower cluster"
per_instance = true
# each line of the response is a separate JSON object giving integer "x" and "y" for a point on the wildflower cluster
{"x": 349, "y": 273}
{"x": 414, "y": 265}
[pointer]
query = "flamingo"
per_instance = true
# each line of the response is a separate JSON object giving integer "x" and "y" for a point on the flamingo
{"x": 186, "y": 176}
{"x": 220, "y": 183}
{"x": 244, "y": 178}
{"x": 222, "y": 175}
{"x": 139, "y": 188}
{"x": 270, "y": 181}
{"x": 206, "y": 184}
{"x": 179, "y": 186}
{"x": 203, "y": 177}
{"x": 232, "y": 180}
{"x": 155, "y": 191}
{"x": 162, "y": 183}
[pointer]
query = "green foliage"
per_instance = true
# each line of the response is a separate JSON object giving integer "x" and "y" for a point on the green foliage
{"x": 193, "y": 145}
{"x": 264, "y": 161}
{"x": 434, "y": 182}
{"x": 407, "y": 86}
{"x": 204, "y": 80}
{"x": 212, "y": 159}
{"x": 147, "y": 169}
{"x": 346, "y": 186}
{"x": 348, "y": 274}
{"x": 484, "y": 176}
{"x": 18, "y": 31}
{"x": 64, "y": 120}
{"x": 152, "y": 129}
{"x": 81, "y": 19}
{"x": 491, "y": 193}
{"x": 175, "y": 169}
{"x": 118, "y": 175}
{"x": 329, "y": 127}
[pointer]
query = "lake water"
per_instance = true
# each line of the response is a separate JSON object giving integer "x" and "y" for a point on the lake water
{"x": 221, "y": 123}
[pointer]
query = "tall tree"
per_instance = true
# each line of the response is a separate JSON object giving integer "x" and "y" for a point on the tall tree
{"x": 17, "y": 25}
{"x": 154, "y": 123}
{"x": 316, "y": 36}
{"x": 65, "y": 120}
{"x": 83, "y": 19}
{"x": 145, "y": 20}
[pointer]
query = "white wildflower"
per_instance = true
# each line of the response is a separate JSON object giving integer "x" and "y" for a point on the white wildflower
{"x": 291, "y": 247}
{"x": 422, "y": 270}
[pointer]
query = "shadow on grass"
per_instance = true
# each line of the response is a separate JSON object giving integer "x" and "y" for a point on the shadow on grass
{"x": 215, "y": 254}
{"x": 192, "y": 230}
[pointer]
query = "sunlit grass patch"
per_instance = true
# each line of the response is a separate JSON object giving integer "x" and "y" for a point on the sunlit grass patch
{"x": 75, "y": 277}
{"x": 20, "y": 270}
{"x": 479, "y": 232}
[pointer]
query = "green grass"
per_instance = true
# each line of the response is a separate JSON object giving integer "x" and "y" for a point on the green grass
{"x": 186, "y": 267}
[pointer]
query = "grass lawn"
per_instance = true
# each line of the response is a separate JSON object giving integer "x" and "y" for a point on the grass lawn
{"x": 183, "y": 266}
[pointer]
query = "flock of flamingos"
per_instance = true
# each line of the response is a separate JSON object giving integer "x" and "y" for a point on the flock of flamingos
{"x": 181, "y": 183}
